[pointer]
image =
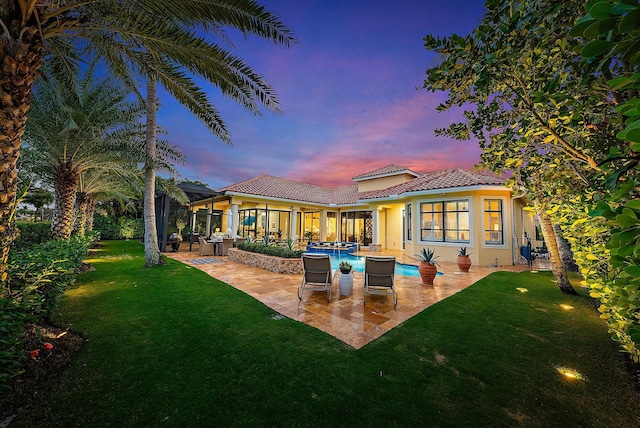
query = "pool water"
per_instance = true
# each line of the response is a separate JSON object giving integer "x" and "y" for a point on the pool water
{"x": 358, "y": 265}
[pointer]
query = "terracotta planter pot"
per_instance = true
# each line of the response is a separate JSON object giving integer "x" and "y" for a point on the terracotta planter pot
{"x": 427, "y": 272}
{"x": 464, "y": 263}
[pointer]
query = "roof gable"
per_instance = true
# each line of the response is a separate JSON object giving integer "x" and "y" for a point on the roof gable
{"x": 439, "y": 180}
{"x": 385, "y": 171}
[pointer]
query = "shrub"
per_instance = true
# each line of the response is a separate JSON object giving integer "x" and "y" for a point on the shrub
{"x": 130, "y": 228}
{"x": 107, "y": 226}
{"x": 39, "y": 274}
{"x": 122, "y": 228}
{"x": 14, "y": 316}
{"x": 31, "y": 234}
{"x": 270, "y": 250}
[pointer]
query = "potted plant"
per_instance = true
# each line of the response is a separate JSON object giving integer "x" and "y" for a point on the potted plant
{"x": 427, "y": 267}
{"x": 463, "y": 261}
{"x": 345, "y": 282}
{"x": 180, "y": 225}
{"x": 345, "y": 267}
{"x": 309, "y": 236}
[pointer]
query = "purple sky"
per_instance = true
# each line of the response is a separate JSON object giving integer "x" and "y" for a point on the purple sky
{"x": 348, "y": 93}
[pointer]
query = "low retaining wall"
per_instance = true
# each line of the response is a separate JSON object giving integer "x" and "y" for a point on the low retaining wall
{"x": 263, "y": 261}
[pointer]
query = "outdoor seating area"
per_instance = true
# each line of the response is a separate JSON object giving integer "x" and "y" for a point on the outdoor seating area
{"x": 345, "y": 317}
{"x": 332, "y": 247}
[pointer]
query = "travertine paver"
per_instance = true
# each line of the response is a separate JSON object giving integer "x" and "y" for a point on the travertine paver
{"x": 344, "y": 317}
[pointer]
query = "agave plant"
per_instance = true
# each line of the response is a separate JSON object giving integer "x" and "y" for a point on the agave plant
{"x": 463, "y": 252}
{"x": 428, "y": 256}
{"x": 290, "y": 244}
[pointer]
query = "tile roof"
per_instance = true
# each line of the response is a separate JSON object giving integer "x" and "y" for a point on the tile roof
{"x": 281, "y": 188}
{"x": 386, "y": 170}
{"x": 439, "y": 180}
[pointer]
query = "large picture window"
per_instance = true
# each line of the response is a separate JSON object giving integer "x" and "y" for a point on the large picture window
{"x": 445, "y": 221}
{"x": 493, "y": 229}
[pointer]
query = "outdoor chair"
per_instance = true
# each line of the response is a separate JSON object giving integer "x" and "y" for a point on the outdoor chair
{"x": 379, "y": 277}
{"x": 206, "y": 248}
{"x": 223, "y": 249}
{"x": 317, "y": 274}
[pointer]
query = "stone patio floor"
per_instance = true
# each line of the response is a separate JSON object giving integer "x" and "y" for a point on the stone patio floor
{"x": 344, "y": 317}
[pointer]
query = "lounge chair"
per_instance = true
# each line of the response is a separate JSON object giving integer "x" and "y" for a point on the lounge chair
{"x": 206, "y": 248}
{"x": 317, "y": 275}
{"x": 378, "y": 277}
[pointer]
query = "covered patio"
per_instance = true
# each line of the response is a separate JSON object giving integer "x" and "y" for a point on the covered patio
{"x": 344, "y": 317}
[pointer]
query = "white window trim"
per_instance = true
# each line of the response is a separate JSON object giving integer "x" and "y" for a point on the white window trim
{"x": 446, "y": 243}
{"x": 506, "y": 222}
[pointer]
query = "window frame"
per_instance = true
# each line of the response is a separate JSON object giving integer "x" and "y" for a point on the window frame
{"x": 444, "y": 227}
{"x": 504, "y": 222}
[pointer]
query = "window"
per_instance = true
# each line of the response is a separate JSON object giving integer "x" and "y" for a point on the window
{"x": 311, "y": 227}
{"x": 332, "y": 226}
{"x": 409, "y": 223}
{"x": 357, "y": 226}
{"x": 493, "y": 222}
{"x": 445, "y": 221}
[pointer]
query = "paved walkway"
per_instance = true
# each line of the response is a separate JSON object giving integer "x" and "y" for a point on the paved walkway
{"x": 344, "y": 317}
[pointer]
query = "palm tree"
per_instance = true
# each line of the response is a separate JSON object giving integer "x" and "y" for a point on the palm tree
{"x": 166, "y": 39}
{"x": 80, "y": 128}
{"x": 99, "y": 185}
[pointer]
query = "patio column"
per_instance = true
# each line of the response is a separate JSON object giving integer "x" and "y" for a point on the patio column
{"x": 234, "y": 219}
{"x": 208, "y": 232}
{"x": 322, "y": 234}
{"x": 375, "y": 218}
{"x": 292, "y": 231}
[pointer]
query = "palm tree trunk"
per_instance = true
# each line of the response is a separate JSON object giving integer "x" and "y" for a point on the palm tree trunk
{"x": 559, "y": 272}
{"x": 81, "y": 208}
{"x": 91, "y": 209}
{"x": 151, "y": 249}
{"x": 20, "y": 60}
{"x": 65, "y": 185}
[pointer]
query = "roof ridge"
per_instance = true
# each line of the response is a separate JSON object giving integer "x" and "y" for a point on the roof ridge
{"x": 290, "y": 180}
{"x": 248, "y": 180}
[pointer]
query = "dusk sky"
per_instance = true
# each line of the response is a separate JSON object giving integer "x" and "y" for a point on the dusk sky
{"x": 348, "y": 91}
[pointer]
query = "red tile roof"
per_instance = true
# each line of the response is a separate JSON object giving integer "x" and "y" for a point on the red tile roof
{"x": 281, "y": 188}
{"x": 384, "y": 171}
{"x": 439, "y": 180}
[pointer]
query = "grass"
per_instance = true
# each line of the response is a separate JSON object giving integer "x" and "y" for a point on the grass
{"x": 171, "y": 346}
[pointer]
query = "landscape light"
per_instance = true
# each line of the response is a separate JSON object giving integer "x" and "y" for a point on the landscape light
{"x": 570, "y": 374}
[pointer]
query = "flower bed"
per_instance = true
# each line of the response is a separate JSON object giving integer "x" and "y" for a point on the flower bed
{"x": 263, "y": 261}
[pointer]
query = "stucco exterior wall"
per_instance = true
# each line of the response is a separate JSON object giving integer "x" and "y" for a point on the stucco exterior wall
{"x": 383, "y": 182}
{"x": 482, "y": 253}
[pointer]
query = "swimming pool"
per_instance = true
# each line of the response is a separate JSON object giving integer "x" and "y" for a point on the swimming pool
{"x": 358, "y": 265}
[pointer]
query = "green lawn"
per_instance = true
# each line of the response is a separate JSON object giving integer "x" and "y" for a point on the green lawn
{"x": 172, "y": 346}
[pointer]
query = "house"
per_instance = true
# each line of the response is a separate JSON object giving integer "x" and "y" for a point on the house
{"x": 391, "y": 208}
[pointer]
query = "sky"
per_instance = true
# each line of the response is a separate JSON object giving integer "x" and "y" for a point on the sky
{"x": 349, "y": 91}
